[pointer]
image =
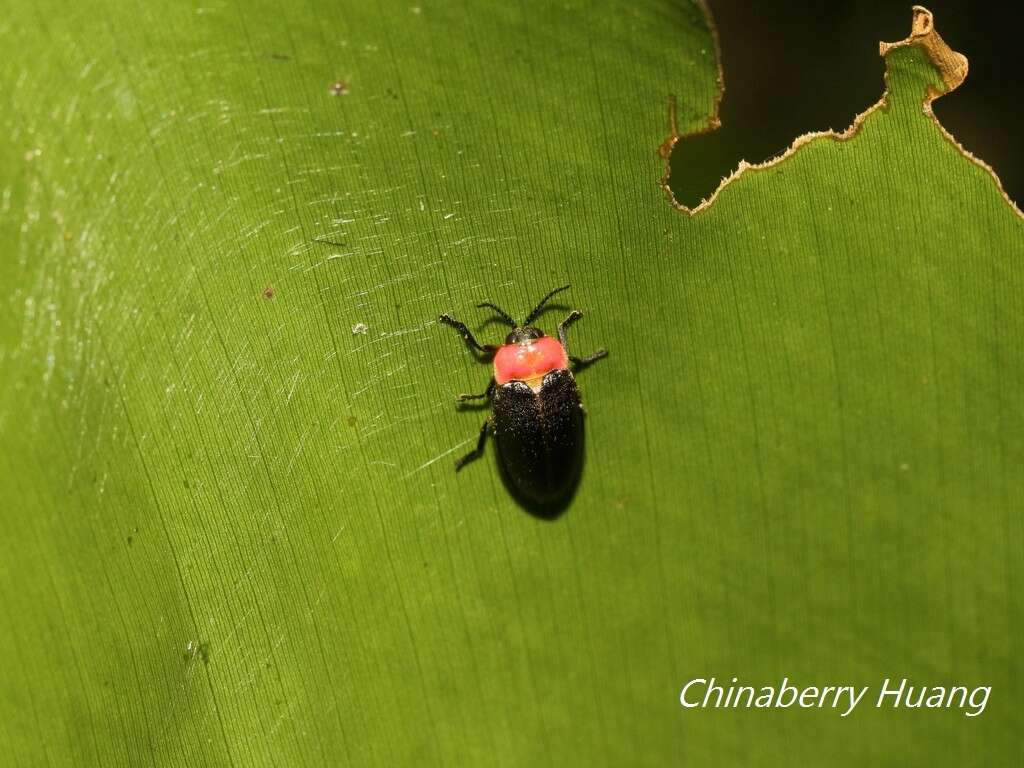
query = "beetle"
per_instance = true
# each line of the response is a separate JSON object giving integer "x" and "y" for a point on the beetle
{"x": 537, "y": 414}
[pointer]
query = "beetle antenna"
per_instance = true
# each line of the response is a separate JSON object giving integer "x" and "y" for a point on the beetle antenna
{"x": 540, "y": 307}
{"x": 504, "y": 315}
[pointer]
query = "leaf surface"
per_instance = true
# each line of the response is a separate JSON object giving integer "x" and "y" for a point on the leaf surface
{"x": 233, "y": 534}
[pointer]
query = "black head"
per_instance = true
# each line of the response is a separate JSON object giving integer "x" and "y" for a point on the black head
{"x": 524, "y": 332}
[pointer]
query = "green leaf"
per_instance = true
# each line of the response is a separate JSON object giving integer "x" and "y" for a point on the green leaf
{"x": 232, "y": 533}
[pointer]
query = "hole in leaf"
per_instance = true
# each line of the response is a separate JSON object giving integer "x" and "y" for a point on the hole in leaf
{"x": 806, "y": 66}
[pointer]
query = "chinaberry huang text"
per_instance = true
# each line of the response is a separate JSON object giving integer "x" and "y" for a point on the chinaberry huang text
{"x": 710, "y": 693}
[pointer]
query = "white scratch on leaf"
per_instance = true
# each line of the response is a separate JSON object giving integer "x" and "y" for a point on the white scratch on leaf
{"x": 437, "y": 458}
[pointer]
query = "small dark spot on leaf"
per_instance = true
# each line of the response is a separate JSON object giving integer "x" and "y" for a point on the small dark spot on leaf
{"x": 339, "y": 88}
{"x": 130, "y": 540}
{"x": 188, "y": 485}
{"x": 276, "y": 56}
{"x": 351, "y": 421}
{"x": 268, "y": 292}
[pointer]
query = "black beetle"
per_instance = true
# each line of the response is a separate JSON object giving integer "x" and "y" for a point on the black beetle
{"x": 537, "y": 415}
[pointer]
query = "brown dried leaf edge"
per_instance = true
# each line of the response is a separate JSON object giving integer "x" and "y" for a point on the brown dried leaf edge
{"x": 952, "y": 67}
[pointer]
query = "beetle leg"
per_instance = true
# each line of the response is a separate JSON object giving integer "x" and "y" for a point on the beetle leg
{"x": 478, "y": 451}
{"x": 583, "y": 362}
{"x": 487, "y": 349}
{"x": 564, "y": 326}
{"x": 486, "y": 393}
{"x": 578, "y": 362}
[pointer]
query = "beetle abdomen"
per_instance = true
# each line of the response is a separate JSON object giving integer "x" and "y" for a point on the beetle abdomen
{"x": 540, "y": 436}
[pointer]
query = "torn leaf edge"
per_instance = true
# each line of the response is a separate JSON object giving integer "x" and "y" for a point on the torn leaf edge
{"x": 951, "y": 66}
{"x": 713, "y": 123}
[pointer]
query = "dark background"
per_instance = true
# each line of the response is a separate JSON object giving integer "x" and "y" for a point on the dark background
{"x": 794, "y": 67}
